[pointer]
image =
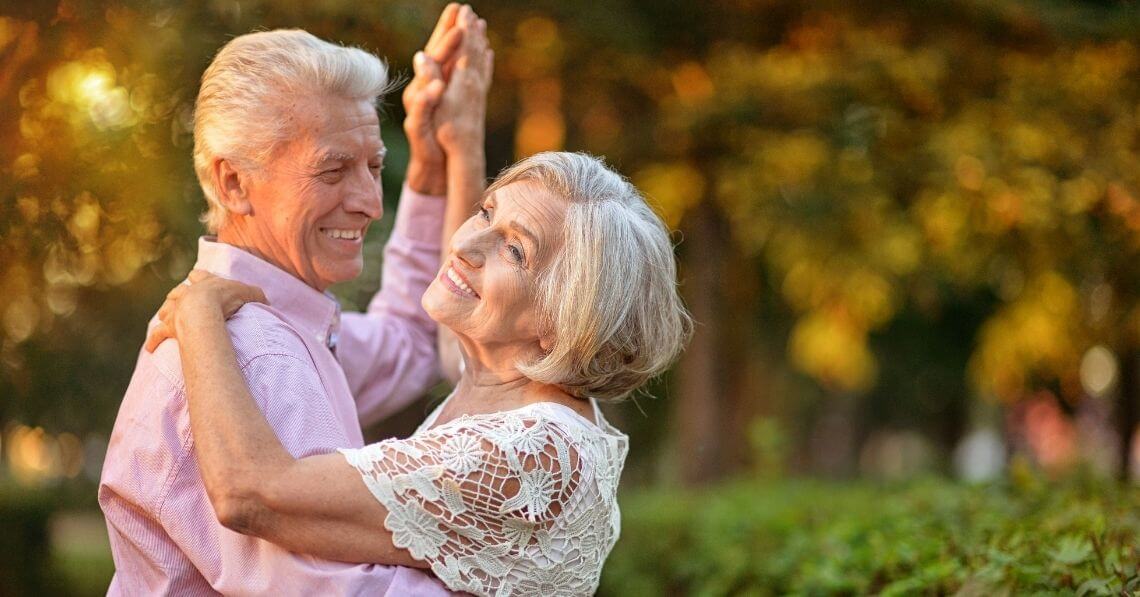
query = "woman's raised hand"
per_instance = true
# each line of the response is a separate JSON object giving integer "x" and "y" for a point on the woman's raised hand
{"x": 432, "y": 66}
{"x": 460, "y": 118}
{"x": 204, "y": 295}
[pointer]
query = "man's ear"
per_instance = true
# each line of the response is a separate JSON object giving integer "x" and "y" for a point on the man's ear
{"x": 231, "y": 186}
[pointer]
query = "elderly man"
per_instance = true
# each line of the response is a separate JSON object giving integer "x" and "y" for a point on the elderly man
{"x": 288, "y": 152}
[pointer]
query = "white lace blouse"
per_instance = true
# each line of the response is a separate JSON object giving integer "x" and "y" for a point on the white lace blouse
{"x": 521, "y": 502}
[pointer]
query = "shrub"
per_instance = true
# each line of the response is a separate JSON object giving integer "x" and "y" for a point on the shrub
{"x": 925, "y": 537}
{"x": 24, "y": 541}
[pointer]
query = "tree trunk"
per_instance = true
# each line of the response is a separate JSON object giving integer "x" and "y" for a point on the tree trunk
{"x": 1127, "y": 411}
{"x": 699, "y": 414}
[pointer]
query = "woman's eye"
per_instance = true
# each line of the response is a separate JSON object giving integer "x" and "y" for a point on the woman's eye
{"x": 485, "y": 214}
{"x": 516, "y": 253}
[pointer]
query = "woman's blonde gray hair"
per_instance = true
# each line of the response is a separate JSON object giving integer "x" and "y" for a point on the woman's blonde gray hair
{"x": 608, "y": 302}
{"x": 239, "y": 113}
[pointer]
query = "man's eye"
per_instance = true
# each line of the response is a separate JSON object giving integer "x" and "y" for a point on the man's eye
{"x": 516, "y": 253}
{"x": 485, "y": 214}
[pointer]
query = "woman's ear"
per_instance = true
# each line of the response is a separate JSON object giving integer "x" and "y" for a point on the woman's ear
{"x": 231, "y": 187}
{"x": 546, "y": 343}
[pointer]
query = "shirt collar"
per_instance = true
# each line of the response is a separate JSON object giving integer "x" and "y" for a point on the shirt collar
{"x": 312, "y": 312}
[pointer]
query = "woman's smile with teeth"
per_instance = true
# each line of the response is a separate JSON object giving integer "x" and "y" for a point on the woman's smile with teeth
{"x": 458, "y": 283}
{"x": 344, "y": 234}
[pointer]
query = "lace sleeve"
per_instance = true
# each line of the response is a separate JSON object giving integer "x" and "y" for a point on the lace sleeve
{"x": 485, "y": 501}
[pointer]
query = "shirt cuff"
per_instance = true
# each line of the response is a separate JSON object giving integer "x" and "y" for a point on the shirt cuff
{"x": 419, "y": 217}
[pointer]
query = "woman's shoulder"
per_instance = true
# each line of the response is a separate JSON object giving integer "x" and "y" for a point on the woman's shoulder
{"x": 535, "y": 423}
{"x": 529, "y": 496}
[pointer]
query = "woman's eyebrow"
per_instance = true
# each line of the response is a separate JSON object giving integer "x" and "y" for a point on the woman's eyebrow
{"x": 524, "y": 231}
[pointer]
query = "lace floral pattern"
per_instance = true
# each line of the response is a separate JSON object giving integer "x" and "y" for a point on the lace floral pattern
{"x": 514, "y": 503}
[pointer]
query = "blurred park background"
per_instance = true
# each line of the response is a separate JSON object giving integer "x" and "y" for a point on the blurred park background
{"x": 909, "y": 231}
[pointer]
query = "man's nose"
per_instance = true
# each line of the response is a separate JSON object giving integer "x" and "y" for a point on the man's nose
{"x": 366, "y": 195}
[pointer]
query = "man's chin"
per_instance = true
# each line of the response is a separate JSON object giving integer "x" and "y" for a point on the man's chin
{"x": 340, "y": 275}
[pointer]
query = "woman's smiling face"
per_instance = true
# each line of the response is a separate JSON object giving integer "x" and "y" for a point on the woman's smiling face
{"x": 486, "y": 287}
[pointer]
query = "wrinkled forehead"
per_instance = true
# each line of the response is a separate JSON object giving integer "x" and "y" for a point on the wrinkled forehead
{"x": 324, "y": 123}
{"x": 529, "y": 204}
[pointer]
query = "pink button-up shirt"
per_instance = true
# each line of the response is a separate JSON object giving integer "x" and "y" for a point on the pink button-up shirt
{"x": 164, "y": 534}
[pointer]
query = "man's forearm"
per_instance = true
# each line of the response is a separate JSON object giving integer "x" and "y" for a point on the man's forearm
{"x": 427, "y": 178}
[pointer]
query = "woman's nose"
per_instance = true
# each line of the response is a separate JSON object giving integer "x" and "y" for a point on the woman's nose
{"x": 470, "y": 248}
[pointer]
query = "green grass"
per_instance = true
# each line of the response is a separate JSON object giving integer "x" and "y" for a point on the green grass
{"x": 926, "y": 537}
{"x": 84, "y": 570}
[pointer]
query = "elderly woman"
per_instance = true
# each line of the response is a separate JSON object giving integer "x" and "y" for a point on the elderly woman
{"x": 561, "y": 291}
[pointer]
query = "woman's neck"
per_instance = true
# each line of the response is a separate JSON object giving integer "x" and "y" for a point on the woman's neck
{"x": 501, "y": 386}
{"x": 491, "y": 380}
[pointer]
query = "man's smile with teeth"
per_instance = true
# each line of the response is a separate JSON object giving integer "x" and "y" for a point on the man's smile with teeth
{"x": 343, "y": 233}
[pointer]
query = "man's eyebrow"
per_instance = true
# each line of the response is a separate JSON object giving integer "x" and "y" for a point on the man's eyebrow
{"x": 333, "y": 156}
{"x": 341, "y": 156}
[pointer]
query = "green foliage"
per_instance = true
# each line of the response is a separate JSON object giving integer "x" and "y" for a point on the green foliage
{"x": 932, "y": 537}
{"x": 24, "y": 569}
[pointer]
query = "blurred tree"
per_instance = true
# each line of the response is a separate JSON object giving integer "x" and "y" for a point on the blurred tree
{"x": 880, "y": 161}
{"x": 905, "y": 204}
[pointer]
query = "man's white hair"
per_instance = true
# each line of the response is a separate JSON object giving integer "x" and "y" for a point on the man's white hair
{"x": 608, "y": 302}
{"x": 240, "y": 112}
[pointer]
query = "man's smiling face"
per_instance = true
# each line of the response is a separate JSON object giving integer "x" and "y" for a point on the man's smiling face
{"x": 318, "y": 193}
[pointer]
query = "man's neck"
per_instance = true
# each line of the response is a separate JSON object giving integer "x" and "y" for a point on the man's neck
{"x": 235, "y": 235}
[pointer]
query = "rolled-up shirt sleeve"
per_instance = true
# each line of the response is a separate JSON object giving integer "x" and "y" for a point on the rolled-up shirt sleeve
{"x": 389, "y": 353}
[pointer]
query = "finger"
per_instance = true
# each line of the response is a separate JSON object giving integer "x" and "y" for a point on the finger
{"x": 474, "y": 40}
{"x": 177, "y": 292}
{"x": 420, "y": 105}
{"x": 466, "y": 16}
{"x": 245, "y": 294}
{"x": 428, "y": 68}
{"x": 489, "y": 65}
{"x": 480, "y": 42}
{"x": 432, "y": 94}
{"x": 447, "y": 47}
{"x": 156, "y": 337}
{"x": 418, "y": 64}
{"x": 253, "y": 294}
{"x": 444, "y": 24}
{"x": 418, "y": 122}
{"x": 198, "y": 275}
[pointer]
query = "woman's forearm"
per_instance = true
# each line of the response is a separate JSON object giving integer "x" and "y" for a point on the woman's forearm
{"x": 466, "y": 177}
{"x": 317, "y": 505}
{"x": 236, "y": 448}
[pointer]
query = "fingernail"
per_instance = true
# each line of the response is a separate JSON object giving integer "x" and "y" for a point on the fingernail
{"x": 419, "y": 57}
